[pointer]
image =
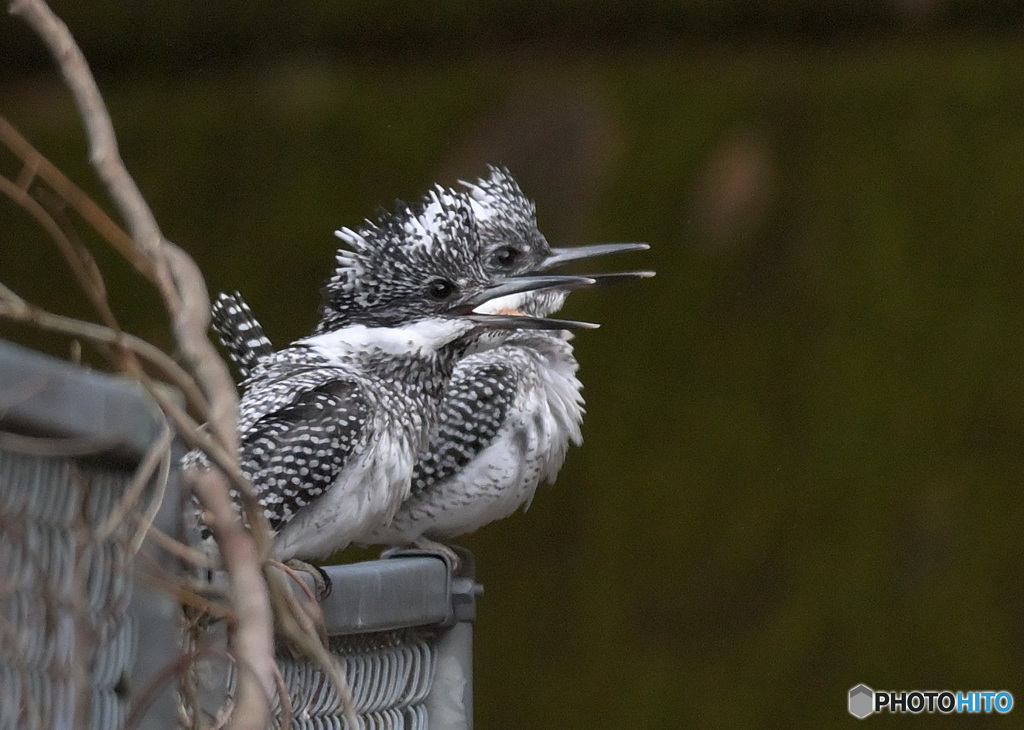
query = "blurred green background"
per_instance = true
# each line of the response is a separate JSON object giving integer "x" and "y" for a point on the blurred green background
{"x": 803, "y": 457}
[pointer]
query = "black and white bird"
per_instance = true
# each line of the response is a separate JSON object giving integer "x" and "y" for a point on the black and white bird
{"x": 513, "y": 404}
{"x": 330, "y": 427}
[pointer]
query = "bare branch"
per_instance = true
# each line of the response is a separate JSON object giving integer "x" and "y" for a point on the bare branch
{"x": 297, "y": 625}
{"x": 252, "y": 591}
{"x": 15, "y": 308}
{"x": 187, "y": 593}
{"x": 158, "y": 455}
{"x": 37, "y": 165}
{"x": 174, "y": 272}
{"x": 174, "y": 547}
{"x": 286, "y": 703}
{"x": 189, "y": 307}
{"x": 103, "y": 152}
{"x": 253, "y": 639}
{"x": 184, "y": 294}
{"x": 191, "y": 322}
{"x": 82, "y": 265}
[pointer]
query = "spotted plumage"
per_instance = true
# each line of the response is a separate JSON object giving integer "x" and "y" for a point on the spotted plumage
{"x": 328, "y": 437}
{"x": 330, "y": 426}
{"x": 295, "y": 452}
{"x": 239, "y": 332}
{"x": 476, "y": 404}
{"x": 512, "y": 406}
{"x": 507, "y": 419}
{"x": 360, "y": 292}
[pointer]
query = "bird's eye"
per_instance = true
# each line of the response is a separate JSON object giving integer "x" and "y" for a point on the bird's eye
{"x": 505, "y": 256}
{"x": 440, "y": 289}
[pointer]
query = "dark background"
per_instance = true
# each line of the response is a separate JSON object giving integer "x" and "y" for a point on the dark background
{"x": 805, "y": 439}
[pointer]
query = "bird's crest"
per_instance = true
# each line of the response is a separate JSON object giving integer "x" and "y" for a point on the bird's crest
{"x": 388, "y": 260}
{"x": 498, "y": 201}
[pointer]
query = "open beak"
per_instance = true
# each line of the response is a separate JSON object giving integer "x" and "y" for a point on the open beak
{"x": 519, "y": 284}
{"x": 619, "y": 277}
{"x": 599, "y": 280}
{"x": 523, "y": 322}
{"x": 559, "y": 256}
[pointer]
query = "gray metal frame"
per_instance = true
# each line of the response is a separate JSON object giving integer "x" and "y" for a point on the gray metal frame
{"x": 108, "y": 423}
{"x": 59, "y": 425}
{"x": 415, "y": 588}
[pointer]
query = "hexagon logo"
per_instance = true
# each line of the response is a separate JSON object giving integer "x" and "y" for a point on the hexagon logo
{"x": 862, "y": 701}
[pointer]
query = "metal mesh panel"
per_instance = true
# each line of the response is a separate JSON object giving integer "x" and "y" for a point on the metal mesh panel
{"x": 401, "y": 629}
{"x": 389, "y": 674}
{"x": 67, "y": 640}
{"x": 71, "y": 618}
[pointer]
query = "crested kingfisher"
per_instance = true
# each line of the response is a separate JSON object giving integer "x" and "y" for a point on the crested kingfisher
{"x": 513, "y": 403}
{"x": 330, "y": 427}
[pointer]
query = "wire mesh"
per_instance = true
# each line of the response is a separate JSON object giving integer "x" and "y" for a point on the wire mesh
{"x": 389, "y": 674}
{"x": 68, "y": 641}
{"x": 71, "y": 618}
{"x": 400, "y": 675}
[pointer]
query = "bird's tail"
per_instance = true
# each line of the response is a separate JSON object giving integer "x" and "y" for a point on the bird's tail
{"x": 240, "y": 332}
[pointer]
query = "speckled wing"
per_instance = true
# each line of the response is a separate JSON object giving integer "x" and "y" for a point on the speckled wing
{"x": 240, "y": 332}
{"x": 474, "y": 408}
{"x": 294, "y": 453}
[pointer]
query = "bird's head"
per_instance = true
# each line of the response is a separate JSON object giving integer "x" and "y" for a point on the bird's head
{"x": 423, "y": 262}
{"x": 510, "y": 243}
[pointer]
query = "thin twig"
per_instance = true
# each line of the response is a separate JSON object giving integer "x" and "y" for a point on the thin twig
{"x": 297, "y": 625}
{"x": 54, "y": 446}
{"x": 142, "y": 698}
{"x": 92, "y": 213}
{"x": 285, "y": 702}
{"x": 181, "y": 286}
{"x": 191, "y": 322}
{"x": 184, "y": 295}
{"x": 242, "y": 564}
{"x": 187, "y": 595}
{"x": 15, "y": 308}
{"x": 176, "y": 547}
{"x": 103, "y": 152}
{"x": 80, "y": 268}
{"x": 158, "y": 453}
{"x": 196, "y": 437}
{"x": 147, "y": 517}
{"x": 307, "y": 592}
{"x": 174, "y": 273}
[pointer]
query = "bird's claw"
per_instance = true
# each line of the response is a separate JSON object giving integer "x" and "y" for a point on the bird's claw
{"x": 321, "y": 582}
{"x": 425, "y": 543}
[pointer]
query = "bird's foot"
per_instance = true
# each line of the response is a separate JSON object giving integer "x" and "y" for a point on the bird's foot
{"x": 425, "y": 543}
{"x": 321, "y": 582}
